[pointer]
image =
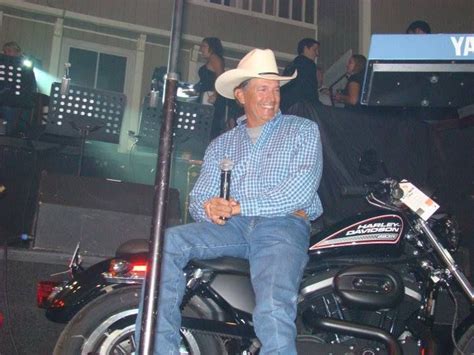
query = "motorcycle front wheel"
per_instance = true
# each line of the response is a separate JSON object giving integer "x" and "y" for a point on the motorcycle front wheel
{"x": 106, "y": 326}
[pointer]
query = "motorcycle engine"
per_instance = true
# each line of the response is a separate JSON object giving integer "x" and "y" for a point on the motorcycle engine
{"x": 364, "y": 294}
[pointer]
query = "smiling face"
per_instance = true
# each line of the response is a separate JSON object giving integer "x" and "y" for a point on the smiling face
{"x": 261, "y": 100}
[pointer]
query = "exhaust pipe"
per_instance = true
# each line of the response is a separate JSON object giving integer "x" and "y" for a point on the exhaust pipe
{"x": 358, "y": 330}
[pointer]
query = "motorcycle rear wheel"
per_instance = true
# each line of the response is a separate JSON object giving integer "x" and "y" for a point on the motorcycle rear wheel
{"x": 106, "y": 326}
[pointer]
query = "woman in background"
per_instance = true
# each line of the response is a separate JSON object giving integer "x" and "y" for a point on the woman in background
{"x": 212, "y": 51}
{"x": 350, "y": 96}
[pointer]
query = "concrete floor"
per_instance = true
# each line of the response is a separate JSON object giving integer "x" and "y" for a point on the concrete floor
{"x": 26, "y": 331}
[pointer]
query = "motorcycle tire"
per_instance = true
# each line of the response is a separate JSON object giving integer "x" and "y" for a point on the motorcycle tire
{"x": 106, "y": 327}
{"x": 466, "y": 343}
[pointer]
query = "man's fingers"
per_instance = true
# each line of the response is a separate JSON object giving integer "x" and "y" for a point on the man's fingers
{"x": 218, "y": 207}
{"x": 218, "y": 220}
{"x": 217, "y": 210}
{"x": 234, "y": 207}
{"x": 207, "y": 208}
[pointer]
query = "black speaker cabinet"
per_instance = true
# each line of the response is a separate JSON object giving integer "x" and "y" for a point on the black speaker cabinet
{"x": 101, "y": 214}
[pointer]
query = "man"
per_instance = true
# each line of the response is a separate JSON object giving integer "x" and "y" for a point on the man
{"x": 277, "y": 164}
{"x": 419, "y": 27}
{"x": 14, "y": 116}
{"x": 11, "y": 49}
{"x": 305, "y": 86}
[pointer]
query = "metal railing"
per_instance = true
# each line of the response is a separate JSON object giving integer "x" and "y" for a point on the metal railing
{"x": 303, "y": 11}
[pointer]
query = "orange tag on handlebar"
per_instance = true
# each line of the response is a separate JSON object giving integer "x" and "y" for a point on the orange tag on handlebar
{"x": 417, "y": 201}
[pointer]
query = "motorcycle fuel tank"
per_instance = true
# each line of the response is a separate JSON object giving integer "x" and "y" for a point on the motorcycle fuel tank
{"x": 376, "y": 231}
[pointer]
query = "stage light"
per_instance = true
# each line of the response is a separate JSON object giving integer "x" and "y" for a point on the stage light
{"x": 44, "y": 80}
{"x": 27, "y": 62}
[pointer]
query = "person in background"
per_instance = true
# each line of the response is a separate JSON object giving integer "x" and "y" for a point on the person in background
{"x": 419, "y": 27}
{"x": 212, "y": 51}
{"x": 305, "y": 86}
{"x": 277, "y": 166}
{"x": 159, "y": 74}
{"x": 14, "y": 120}
{"x": 11, "y": 49}
{"x": 355, "y": 71}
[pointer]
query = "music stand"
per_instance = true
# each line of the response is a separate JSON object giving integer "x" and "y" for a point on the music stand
{"x": 17, "y": 83}
{"x": 85, "y": 113}
{"x": 191, "y": 135}
{"x": 191, "y": 126}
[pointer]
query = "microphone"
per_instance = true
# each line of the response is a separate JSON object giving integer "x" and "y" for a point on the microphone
{"x": 66, "y": 80}
{"x": 154, "y": 94}
{"x": 226, "y": 166}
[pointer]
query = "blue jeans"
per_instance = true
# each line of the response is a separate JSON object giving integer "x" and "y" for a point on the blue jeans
{"x": 277, "y": 252}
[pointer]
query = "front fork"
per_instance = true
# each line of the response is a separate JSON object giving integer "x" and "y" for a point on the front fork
{"x": 447, "y": 259}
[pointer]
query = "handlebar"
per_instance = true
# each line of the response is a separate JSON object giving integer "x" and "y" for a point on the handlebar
{"x": 355, "y": 191}
{"x": 388, "y": 187}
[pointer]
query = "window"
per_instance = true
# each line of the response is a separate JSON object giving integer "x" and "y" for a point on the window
{"x": 97, "y": 70}
{"x": 104, "y": 68}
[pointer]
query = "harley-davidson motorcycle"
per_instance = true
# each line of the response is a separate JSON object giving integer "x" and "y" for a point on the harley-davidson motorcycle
{"x": 376, "y": 283}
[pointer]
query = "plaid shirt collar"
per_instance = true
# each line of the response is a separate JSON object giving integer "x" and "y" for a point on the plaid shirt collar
{"x": 242, "y": 120}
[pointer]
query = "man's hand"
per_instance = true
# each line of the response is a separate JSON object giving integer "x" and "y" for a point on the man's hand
{"x": 212, "y": 97}
{"x": 300, "y": 213}
{"x": 218, "y": 209}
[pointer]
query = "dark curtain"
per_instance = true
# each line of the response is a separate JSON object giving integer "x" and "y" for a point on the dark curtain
{"x": 436, "y": 156}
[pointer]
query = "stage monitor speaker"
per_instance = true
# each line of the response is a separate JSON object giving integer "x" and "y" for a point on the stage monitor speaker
{"x": 100, "y": 214}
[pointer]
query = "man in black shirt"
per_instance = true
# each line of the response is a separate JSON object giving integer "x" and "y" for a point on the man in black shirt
{"x": 305, "y": 86}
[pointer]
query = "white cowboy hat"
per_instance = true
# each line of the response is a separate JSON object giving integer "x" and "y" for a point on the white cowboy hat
{"x": 258, "y": 63}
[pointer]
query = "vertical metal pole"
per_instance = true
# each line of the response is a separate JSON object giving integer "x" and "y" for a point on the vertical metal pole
{"x": 153, "y": 275}
{"x": 303, "y": 12}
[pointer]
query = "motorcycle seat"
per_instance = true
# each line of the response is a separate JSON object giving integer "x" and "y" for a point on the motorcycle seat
{"x": 132, "y": 247}
{"x": 225, "y": 264}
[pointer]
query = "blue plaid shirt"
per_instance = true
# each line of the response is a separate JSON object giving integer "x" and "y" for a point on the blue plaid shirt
{"x": 276, "y": 176}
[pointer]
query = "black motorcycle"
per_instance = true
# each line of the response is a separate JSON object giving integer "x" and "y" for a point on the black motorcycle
{"x": 381, "y": 282}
